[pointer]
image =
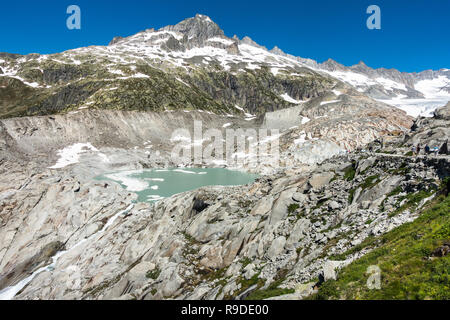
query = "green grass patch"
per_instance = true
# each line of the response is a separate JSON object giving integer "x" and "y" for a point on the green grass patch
{"x": 351, "y": 195}
{"x": 293, "y": 207}
{"x": 349, "y": 173}
{"x": 245, "y": 262}
{"x": 412, "y": 201}
{"x": 273, "y": 290}
{"x": 154, "y": 274}
{"x": 370, "y": 182}
{"x": 407, "y": 269}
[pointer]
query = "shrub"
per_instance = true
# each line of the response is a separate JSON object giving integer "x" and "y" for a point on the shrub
{"x": 349, "y": 173}
{"x": 293, "y": 207}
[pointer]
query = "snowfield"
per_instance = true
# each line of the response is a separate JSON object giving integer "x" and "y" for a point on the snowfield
{"x": 71, "y": 155}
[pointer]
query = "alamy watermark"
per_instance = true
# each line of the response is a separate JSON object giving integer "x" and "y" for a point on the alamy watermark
{"x": 73, "y": 22}
{"x": 374, "y": 280}
{"x": 374, "y": 21}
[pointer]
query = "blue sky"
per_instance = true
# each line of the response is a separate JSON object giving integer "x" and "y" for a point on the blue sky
{"x": 415, "y": 34}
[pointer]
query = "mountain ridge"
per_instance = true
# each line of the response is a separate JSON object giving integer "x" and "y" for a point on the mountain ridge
{"x": 385, "y": 83}
{"x": 198, "y": 45}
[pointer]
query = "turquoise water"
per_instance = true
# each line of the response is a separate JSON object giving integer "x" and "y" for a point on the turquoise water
{"x": 155, "y": 184}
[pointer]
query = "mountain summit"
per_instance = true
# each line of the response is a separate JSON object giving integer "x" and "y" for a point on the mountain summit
{"x": 200, "y": 27}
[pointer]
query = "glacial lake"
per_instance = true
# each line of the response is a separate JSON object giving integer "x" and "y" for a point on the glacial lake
{"x": 156, "y": 184}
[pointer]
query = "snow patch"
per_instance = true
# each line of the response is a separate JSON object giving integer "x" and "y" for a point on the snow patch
{"x": 71, "y": 155}
{"x": 329, "y": 102}
{"x": 305, "y": 120}
{"x": 289, "y": 99}
{"x": 131, "y": 183}
{"x": 220, "y": 40}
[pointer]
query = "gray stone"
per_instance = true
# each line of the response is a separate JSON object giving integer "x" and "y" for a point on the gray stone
{"x": 249, "y": 271}
{"x": 276, "y": 248}
{"x": 365, "y": 164}
{"x": 329, "y": 270}
{"x": 301, "y": 228}
{"x": 333, "y": 205}
{"x": 299, "y": 197}
{"x": 320, "y": 180}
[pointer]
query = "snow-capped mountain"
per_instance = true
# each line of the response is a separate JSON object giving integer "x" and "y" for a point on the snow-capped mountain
{"x": 196, "y": 65}
{"x": 416, "y": 93}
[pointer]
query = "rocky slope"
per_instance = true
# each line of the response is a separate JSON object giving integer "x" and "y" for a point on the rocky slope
{"x": 271, "y": 238}
{"x": 413, "y": 261}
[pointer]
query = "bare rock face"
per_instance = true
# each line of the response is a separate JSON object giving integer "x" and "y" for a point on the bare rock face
{"x": 79, "y": 238}
{"x": 171, "y": 249}
{"x": 329, "y": 270}
{"x": 443, "y": 113}
{"x": 319, "y": 180}
{"x": 200, "y": 28}
{"x": 158, "y": 251}
{"x": 115, "y": 40}
{"x": 29, "y": 265}
{"x": 276, "y": 248}
{"x": 45, "y": 216}
{"x": 434, "y": 132}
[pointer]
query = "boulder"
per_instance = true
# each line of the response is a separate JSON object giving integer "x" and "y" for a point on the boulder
{"x": 249, "y": 271}
{"x": 76, "y": 187}
{"x": 365, "y": 164}
{"x": 299, "y": 197}
{"x": 378, "y": 191}
{"x": 276, "y": 248}
{"x": 199, "y": 205}
{"x": 320, "y": 180}
{"x": 443, "y": 113}
{"x": 263, "y": 206}
{"x": 213, "y": 258}
{"x": 333, "y": 205}
{"x": 329, "y": 270}
{"x": 280, "y": 208}
{"x": 442, "y": 251}
{"x": 301, "y": 228}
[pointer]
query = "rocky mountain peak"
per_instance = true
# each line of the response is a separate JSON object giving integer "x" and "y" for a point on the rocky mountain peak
{"x": 277, "y": 51}
{"x": 200, "y": 27}
{"x": 361, "y": 66}
{"x": 249, "y": 41}
{"x": 332, "y": 65}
